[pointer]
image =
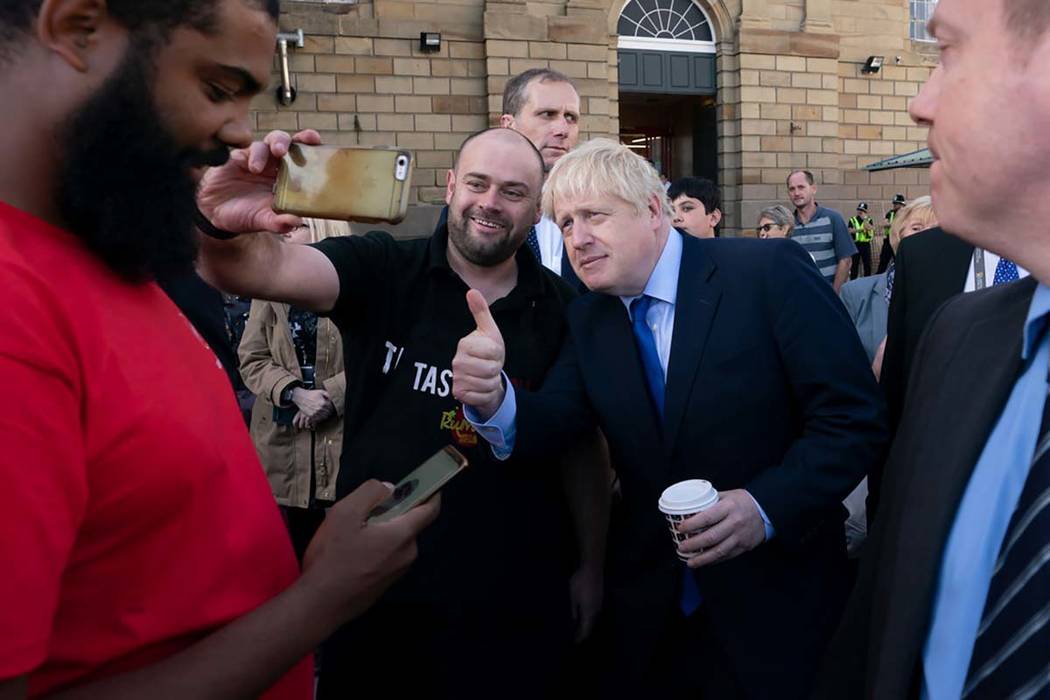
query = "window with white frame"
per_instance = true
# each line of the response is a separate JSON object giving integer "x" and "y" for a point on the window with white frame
{"x": 665, "y": 19}
{"x": 921, "y": 12}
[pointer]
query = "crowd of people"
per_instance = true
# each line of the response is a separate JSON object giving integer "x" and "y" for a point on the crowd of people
{"x": 576, "y": 328}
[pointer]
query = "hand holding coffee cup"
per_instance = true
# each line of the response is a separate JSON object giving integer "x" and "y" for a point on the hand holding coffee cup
{"x": 683, "y": 500}
{"x": 727, "y": 527}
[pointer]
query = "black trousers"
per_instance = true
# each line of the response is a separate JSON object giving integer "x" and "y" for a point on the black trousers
{"x": 862, "y": 257}
{"x": 885, "y": 255}
{"x": 302, "y": 524}
{"x": 688, "y": 664}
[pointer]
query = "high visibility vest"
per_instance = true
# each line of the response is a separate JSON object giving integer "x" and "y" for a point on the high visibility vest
{"x": 862, "y": 229}
{"x": 891, "y": 215}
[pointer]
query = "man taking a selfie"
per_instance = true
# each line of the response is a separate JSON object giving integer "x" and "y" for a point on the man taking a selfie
{"x": 491, "y": 586}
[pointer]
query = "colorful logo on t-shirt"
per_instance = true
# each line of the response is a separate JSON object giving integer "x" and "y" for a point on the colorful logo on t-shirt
{"x": 462, "y": 431}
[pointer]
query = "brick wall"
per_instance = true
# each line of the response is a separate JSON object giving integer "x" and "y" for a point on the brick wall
{"x": 798, "y": 99}
{"x": 362, "y": 79}
{"x": 791, "y": 93}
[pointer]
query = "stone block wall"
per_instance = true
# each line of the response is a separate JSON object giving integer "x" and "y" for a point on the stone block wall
{"x": 793, "y": 95}
{"x": 790, "y": 89}
{"x": 362, "y": 78}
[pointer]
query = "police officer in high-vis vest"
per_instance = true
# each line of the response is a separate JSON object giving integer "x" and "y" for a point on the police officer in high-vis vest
{"x": 886, "y": 253}
{"x": 863, "y": 229}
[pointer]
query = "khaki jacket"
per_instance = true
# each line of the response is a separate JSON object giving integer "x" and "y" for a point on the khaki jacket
{"x": 268, "y": 366}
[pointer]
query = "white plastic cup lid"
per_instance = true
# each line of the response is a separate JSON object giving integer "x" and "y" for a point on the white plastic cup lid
{"x": 687, "y": 497}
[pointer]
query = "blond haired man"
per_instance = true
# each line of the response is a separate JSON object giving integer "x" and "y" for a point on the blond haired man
{"x": 695, "y": 370}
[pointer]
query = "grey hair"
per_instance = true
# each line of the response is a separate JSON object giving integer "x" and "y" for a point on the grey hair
{"x": 779, "y": 215}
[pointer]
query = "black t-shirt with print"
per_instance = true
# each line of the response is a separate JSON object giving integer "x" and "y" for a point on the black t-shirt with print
{"x": 402, "y": 311}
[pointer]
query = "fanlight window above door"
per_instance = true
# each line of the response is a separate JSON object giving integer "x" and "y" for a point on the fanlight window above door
{"x": 674, "y": 20}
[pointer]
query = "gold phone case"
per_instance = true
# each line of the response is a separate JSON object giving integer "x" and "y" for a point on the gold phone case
{"x": 344, "y": 184}
{"x": 424, "y": 481}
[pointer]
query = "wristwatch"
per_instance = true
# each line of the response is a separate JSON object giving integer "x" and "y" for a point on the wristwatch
{"x": 211, "y": 230}
{"x": 286, "y": 395}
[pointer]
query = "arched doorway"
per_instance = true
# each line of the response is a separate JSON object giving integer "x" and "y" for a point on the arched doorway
{"x": 666, "y": 51}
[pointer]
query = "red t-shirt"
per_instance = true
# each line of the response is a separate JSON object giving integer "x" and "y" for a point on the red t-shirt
{"x": 136, "y": 518}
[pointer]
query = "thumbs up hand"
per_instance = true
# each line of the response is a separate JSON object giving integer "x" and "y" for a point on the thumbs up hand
{"x": 476, "y": 368}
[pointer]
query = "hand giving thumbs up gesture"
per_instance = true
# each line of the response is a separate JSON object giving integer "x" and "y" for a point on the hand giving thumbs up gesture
{"x": 476, "y": 368}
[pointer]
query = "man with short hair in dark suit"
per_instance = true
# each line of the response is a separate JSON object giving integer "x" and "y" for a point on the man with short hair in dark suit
{"x": 768, "y": 396}
{"x": 952, "y": 596}
{"x": 930, "y": 267}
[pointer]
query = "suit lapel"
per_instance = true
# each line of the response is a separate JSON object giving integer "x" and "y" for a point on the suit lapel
{"x": 963, "y": 401}
{"x": 695, "y": 307}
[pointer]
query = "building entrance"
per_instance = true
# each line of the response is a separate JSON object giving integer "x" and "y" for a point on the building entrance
{"x": 676, "y": 133}
{"x": 666, "y": 53}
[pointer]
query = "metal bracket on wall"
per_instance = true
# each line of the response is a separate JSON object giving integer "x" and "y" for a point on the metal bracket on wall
{"x": 285, "y": 91}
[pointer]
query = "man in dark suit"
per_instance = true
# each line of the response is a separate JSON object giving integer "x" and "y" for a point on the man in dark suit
{"x": 768, "y": 396}
{"x": 930, "y": 268}
{"x": 951, "y": 599}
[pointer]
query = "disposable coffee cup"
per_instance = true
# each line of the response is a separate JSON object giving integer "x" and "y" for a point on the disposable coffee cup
{"x": 683, "y": 500}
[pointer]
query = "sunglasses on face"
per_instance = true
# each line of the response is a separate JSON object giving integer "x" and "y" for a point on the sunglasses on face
{"x": 766, "y": 228}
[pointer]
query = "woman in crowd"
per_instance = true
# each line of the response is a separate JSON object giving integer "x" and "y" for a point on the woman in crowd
{"x": 775, "y": 222}
{"x": 868, "y": 299}
{"x": 293, "y": 362}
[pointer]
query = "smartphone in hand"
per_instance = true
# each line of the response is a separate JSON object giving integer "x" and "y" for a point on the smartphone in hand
{"x": 344, "y": 184}
{"x": 426, "y": 480}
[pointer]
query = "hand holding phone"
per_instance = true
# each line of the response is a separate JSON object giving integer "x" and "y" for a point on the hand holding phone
{"x": 420, "y": 485}
{"x": 344, "y": 184}
{"x": 350, "y": 562}
{"x": 238, "y": 196}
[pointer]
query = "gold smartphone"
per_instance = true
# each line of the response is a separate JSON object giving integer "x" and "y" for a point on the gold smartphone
{"x": 420, "y": 485}
{"x": 344, "y": 184}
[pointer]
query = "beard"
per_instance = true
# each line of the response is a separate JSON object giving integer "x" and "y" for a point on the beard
{"x": 488, "y": 250}
{"x": 125, "y": 187}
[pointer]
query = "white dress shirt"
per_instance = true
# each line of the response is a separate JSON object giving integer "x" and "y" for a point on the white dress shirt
{"x": 551, "y": 245}
{"x": 990, "y": 262}
{"x": 663, "y": 288}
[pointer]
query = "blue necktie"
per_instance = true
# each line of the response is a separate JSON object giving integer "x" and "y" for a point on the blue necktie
{"x": 533, "y": 242}
{"x": 654, "y": 379}
{"x": 1005, "y": 272}
{"x": 1013, "y": 640}
{"x": 643, "y": 338}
